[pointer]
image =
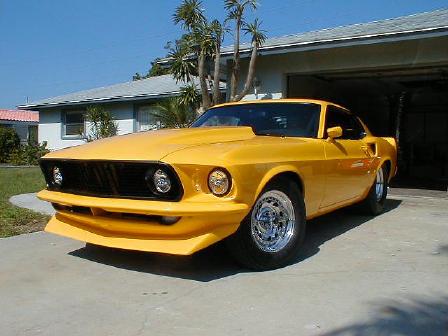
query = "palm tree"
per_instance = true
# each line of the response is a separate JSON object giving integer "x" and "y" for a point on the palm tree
{"x": 217, "y": 32}
{"x": 203, "y": 41}
{"x": 171, "y": 113}
{"x": 197, "y": 41}
{"x": 258, "y": 38}
{"x": 236, "y": 10}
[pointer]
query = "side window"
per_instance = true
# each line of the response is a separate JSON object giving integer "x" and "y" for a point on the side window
{"x": 358, "y": 130}
{"x": 351, "y": 127}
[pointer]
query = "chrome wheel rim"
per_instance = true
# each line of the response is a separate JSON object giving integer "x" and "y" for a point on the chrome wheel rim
{"x": 379, "y": 184}
{"x": 273, "y": 221}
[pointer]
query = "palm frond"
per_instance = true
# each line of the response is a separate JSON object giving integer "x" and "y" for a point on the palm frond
{"x": 182, "y": 67}
{"x": 170, "y": 113}
{"x": 258, "y": 34}
{"x": 236, "y": 8}
{"x": 230, "y": 4}
{"x": 189, "y": 14}
{"x": 190, "y": 96}
{"x": 218, "y": 30}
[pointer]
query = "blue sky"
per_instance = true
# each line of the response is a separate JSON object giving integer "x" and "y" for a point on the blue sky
{"x": 53, "y": 47}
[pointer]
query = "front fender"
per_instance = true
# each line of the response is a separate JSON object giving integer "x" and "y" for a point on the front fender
{"x": 275, "y": 171}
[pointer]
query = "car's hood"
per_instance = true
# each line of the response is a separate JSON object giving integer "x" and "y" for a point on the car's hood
{"x": 152, "y": 145}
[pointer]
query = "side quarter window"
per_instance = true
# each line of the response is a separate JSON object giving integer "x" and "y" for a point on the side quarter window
{"x": 358, "y": 130}
{"x": 351, "y": 127}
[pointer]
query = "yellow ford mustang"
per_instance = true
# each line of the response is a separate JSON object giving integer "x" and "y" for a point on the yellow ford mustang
{"x": 250, "y": 172}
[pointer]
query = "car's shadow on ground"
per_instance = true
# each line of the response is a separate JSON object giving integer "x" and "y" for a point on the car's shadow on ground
{"x": 214, "y": 262}
{"x": 411, "y": 317}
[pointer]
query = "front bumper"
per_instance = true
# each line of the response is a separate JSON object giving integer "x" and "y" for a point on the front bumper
{"x": 201, "y": 223}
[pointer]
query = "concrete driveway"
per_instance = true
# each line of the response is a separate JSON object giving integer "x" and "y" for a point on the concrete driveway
{"x": 358, "y": 276}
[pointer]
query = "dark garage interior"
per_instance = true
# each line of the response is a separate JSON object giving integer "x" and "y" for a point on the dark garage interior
{"x": 408, "y": 104}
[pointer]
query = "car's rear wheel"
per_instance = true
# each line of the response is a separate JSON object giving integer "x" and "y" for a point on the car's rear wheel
{"x": 272, "y": 233}
{"x": 374, "y": 202}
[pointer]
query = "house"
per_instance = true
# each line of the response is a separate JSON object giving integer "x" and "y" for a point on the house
{"x": 23, "y": 122}
{"x": 393, "y": 73}
{"x": 62, "y": 123}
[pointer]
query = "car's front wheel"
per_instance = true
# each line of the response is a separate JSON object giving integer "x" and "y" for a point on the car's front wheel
{"x": 272, "y": 233}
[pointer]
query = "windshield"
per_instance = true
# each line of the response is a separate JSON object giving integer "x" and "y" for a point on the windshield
{"x": 275, "y": 119}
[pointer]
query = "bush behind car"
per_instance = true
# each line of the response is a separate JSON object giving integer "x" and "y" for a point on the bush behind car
{"x": 9, "y": 141}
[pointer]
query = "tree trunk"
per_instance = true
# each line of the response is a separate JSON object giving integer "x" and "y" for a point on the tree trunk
{"x": 202, "y": 81}
{"x": 236, "y": 62}
{"x": 400, "y": 110}
{"x": 216, "y": 75}
{"x": 250, "y": 74}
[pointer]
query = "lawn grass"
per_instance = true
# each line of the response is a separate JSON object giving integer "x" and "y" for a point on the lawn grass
{"x": 14, "y": 220}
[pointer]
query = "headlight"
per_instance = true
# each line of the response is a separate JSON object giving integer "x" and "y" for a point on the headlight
{"x": 57, "y": 176}
{"x": 162, "y": 182}
{"x": 219, "y": 182}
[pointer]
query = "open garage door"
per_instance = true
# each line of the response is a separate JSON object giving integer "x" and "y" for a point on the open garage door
{"x": 411, "y": 105}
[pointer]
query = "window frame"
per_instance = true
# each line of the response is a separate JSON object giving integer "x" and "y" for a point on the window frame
{"x": 137, "y": 108}
{"x": 64, "y": 135}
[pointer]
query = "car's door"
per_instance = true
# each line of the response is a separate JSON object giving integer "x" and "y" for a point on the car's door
{"x": 348, "y": 159}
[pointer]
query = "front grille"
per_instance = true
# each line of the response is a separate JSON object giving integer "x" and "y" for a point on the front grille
{"x": 121, "y": 179}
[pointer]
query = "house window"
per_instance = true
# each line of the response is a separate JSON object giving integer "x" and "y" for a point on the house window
{"x": 145, "y": 119}
{"x": 73, "y": 124}
{"x": 32, "y": 134}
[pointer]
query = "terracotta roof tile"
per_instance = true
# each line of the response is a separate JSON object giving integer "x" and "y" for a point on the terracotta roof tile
{"x": 19, "y": 115}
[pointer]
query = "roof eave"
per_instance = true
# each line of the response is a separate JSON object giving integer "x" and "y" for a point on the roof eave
{"x": 19, "y": 121}
{"x": 104, "y": 100}
{"x": 343, "y": 42}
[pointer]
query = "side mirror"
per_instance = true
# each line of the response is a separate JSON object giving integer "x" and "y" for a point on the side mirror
{"x": 334, "y": 132}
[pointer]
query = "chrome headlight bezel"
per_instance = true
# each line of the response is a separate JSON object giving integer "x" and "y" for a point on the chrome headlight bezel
{"x": 57, "y": 177}
{"x": 226, "y": 179}
{"x": 162, "y": 181}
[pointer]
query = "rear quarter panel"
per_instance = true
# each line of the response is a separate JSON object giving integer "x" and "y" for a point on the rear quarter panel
{"x": 387, "y": 151}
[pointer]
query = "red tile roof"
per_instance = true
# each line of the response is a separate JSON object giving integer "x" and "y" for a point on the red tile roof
{"x": 19, "y": 115}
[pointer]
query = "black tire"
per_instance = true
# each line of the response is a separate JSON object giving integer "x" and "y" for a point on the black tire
{"x": 373, "y": 205}
{"x": 243, "y": 246}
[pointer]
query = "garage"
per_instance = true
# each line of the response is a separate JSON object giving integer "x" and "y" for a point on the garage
{"x": 408, "y": 104}
{"x": 392, "y": 73}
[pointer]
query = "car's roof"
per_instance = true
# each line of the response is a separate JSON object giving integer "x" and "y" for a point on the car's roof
{"x": 280, "y": 101}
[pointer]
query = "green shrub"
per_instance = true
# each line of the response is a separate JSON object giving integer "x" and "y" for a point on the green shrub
{"x": 102, "y": 125}
{"x": 28, "y": 154}
{"x": 9, "y": 141}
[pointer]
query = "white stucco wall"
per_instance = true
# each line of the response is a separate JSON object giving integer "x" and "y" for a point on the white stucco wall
{"x": 123, "y": 113}
{"x": 50, "y": 130}
{"x": 50, "y": 125}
